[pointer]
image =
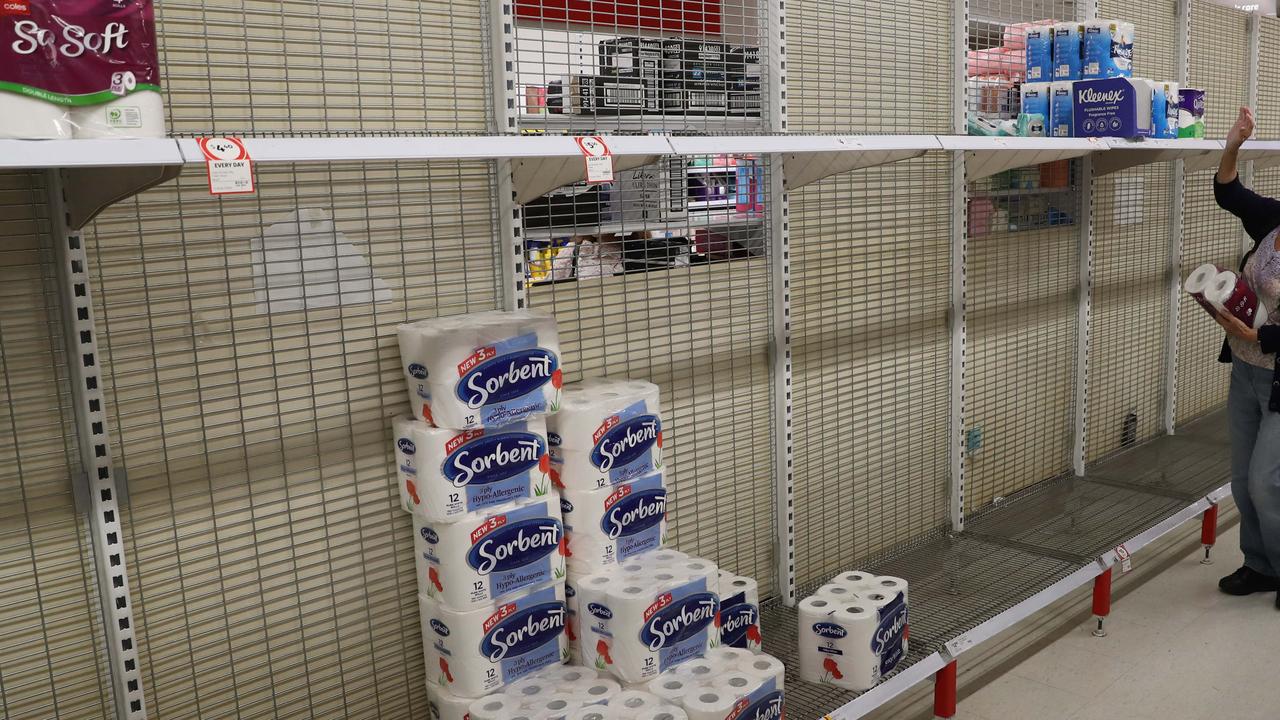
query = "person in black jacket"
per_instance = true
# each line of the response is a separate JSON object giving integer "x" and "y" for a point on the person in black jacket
{"x": 1253, "y": 404}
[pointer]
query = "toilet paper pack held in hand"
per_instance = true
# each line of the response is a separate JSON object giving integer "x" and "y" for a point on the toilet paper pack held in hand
{"x": 462, "y": 471}
{"x": 472, "y": 653}
{"x": 492, "y": 554}
{"x": 60, "y": 57}
{"x": 639, "y": 622}
{"x": 607, "y": 432}
{"x": 739, "y": 612}
{"x": 481, "y": 370}
{"x": 606, "y": 527}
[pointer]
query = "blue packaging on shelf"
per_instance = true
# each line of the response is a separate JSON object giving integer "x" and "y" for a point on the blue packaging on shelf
{"x": 1113, "y": 107}
{"x": 1040, "y": 53}
{"x": 1108, "y": 49}
{"x": 1035, "y": 98}
{"x": 1067, "y": 51}
{"x": 1061, "y": 115}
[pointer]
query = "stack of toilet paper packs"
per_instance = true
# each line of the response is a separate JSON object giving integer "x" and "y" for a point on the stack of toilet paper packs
{"x": 853, "y": 631}
{"x": 540, "y": 516}
{"x": 1224, "y": 292}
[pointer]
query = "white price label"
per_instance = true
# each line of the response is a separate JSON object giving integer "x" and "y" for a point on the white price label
{"x": 230, "y": 169}
{"x": 1126, "y": 560}
{"x": 598, "y": 158}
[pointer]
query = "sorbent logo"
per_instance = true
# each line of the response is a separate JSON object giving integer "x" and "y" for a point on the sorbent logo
{"x": 515, "y": 545}
{"x": 734, "y": 623}
{"x": 680, "y": 620}
{"x": 600, "y": 611}
{"x": 526, "y": 630}
{"x": 493, "y": 458}
{"x": 635, "y": 513}
{"x": 829, "y": 630}
{"x": 626, "y": 442}
{"x": 406, "y": 446}
{"x": 418, "y": 370}
{"x": 440, "y": 628}
{"x": 430, "y": 535}
{"x": 506, "y": 377}
{"x": 768, "y": 707}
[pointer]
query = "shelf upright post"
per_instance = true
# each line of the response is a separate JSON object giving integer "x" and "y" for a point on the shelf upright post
{"x": 780, "y": 307}
{"x": 1101, "y": 602}
{"x": 1209, "y": 532}
{"x": 945, "y": 695}
{"x": 959, "y": 250}
{"x": 504, "y": 120}
{"x": 1084, "y": 299}
{"x": 84, "y": 366}
{"x": 1174, "y": 278}
{"x": 1251, "y": 100}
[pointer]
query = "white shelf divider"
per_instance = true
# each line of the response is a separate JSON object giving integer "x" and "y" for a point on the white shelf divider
{"x": 1125, "y": 154}
{"x": 809, "y": 158}
{"x": 987, "y": 156}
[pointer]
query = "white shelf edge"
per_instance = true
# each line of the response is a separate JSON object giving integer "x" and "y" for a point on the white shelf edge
{"x": 1126, "y": 154}
{"x": 889, "y": 689}
{"x": 123, "y": 152}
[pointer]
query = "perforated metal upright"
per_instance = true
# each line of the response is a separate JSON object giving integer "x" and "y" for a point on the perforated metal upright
{"x": 959, "y": 261}
{"x": 1175, "y": 236}
{"x": 504, "y": 120}
{"x": 94, "y": 441}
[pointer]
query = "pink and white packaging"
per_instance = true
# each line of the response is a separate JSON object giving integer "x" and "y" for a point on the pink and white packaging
{"x": 1199, "y": 281}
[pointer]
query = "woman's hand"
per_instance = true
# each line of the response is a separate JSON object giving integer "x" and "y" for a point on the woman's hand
{"x": 1235, "y": 328}
{"x": 1242, "y": 130}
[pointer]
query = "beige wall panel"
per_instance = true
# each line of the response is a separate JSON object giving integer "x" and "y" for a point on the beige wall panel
{"x": 870, "y": 290}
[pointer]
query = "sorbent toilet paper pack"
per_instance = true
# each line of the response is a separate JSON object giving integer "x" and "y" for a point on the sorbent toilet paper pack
{"x": 483, "y": 369}
{"x": 1108, "y": 49}
{"x": 739, "y": 612}
{"x": 854, "y": 642}
{"x": 607, "y": 527}
{"x": 493, "y": 553}
{"x": 555, "y": 691}
{"x": 727, "y": 683}
{"x": 406, "y": 451}
{"x": 444, "y": 705}
{"x": 607, "y": 432}
{"x": 642, "y": 618}
{"x": 471, "y": 653}
{"x": 459, "y": 472}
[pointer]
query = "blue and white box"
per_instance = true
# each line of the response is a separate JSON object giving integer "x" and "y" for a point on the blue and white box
{"x": 1108, "y": 49}
{"x": 1035, "y": 98}
{"x": 1039, "y": 53}
{"x": 489, "y": 555}
{"x": 1067, "y": 51}
{"x": 1061, "y": 113}
{"x": 1113, "y": 107}
{"x": 610, "y": 526}
{"x": 472, "y": 653}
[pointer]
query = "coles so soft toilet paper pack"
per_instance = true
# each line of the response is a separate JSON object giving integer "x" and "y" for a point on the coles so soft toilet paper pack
{"x": 609, "y": 526}
{"x": 491, "y": 554}
{"x": 471, "y": 653}
{"x": 642, "y": 618}
{"x": 606, "y": 432}
{"x": 739, "y": 612}
{"x": 448, "y": 473}
{"x": 482, "y": 369}
{"x": 79, "y": 68}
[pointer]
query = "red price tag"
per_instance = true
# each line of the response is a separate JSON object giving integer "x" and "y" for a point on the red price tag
{"x": 230, "y": 169}
{"x": 598, "y": 157}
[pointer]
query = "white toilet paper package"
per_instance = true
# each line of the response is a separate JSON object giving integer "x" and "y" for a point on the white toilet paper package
{"x": 727, "y": 683}
{"x": 1068, "y": 53}
{"x": 554, "y": 692}
{"x": 458, "y": 472}
{"x": 444, "y": 705}
{"x": 1107, "y": 49}
{"x": 739, "y": 612}
{"x": 642, "y": 618}
{"x": 406, "y": 450}
{"x": 607, "y": 432}
{"x": 609, "y": 526}
{"x": 473, "y": 653}
{"x": 491, "y": 554}
{"x": 483, "y": 369}
{"x": 1223, "y": 292}
{"x": 79, "y": 68}
{"x": 853, "y": 642}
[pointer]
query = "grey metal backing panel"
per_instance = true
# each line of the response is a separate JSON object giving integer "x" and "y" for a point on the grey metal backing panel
{"x": 869, "y": 67}
{"x": 53, "y": 661}
{"x": 702, "y": 331}
{"x": 272, "y": 567}
{"x": 1268, "y": 111}
{"x": 324, "y": 67}
{"x": 870, "y": 290}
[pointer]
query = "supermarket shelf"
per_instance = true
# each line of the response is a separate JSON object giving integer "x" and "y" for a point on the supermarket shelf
{"x": 42, "y": 154}
{"x": 809, "y": 158}
{"x": 1020, "y": 556}
{"x": 650, "y": 124}
{"x": 693, "y": 220}
{"x": 987, "y": 156}
{"x": 1126, "y": 154}
{"x": 1263, "y": 153}
{"x": 1021, "y": 192}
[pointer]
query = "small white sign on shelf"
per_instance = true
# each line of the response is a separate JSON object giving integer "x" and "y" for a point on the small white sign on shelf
{"x": 229, "y": 166}
{"x": 598, "y": 158}
{"x": 1124, "y": 558}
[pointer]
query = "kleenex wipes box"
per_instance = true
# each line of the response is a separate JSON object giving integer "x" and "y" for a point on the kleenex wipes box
{"x": 1113, "y": 107}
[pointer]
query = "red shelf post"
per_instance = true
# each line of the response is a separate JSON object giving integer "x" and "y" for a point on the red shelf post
{"x": 1209, "y": 532}
{"x": 1101, "y": 601}
{"x": 944, "y": 692}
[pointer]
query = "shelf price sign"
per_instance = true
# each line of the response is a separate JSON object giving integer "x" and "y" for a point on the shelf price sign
{"x": 598, "y": 157}
{"x": 230, "y": 169}
{"x": 1124, "y": 558}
